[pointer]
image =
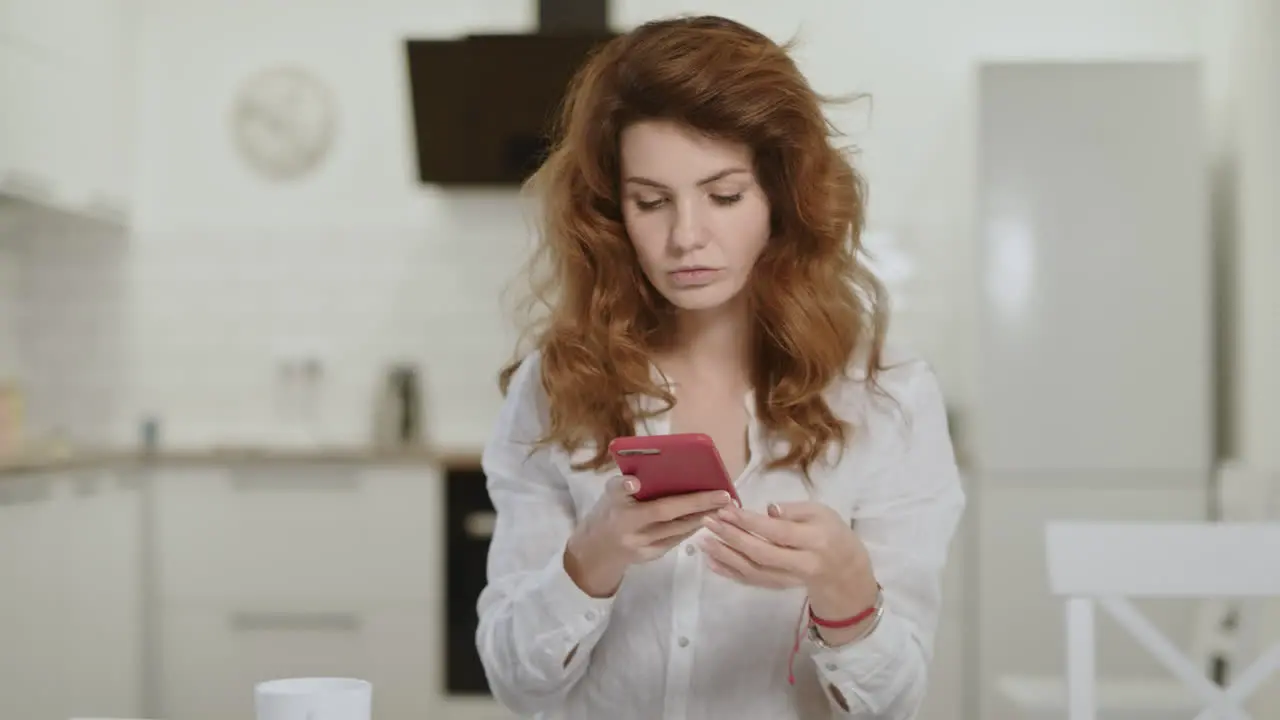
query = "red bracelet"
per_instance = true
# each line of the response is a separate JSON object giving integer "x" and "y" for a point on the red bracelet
{"x": 847, "y": 622}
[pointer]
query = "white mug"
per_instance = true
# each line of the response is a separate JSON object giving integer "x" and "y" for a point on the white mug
{"x": 314, "y": 699}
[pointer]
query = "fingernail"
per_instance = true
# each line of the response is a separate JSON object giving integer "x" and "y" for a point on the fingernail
{"x": 631, "y": 486}
{"x": 726, "y": 513}
{"x": 724, "y": 497}
{"x": 709, "y": 521}
{"x": 775, "y": 510}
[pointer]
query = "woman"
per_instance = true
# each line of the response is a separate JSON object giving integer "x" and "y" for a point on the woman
{"x": 701, "y": 234}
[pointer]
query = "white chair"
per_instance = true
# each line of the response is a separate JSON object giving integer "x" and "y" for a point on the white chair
{"x": 1244, "y": 494}
{"x": 1099, "y": 564}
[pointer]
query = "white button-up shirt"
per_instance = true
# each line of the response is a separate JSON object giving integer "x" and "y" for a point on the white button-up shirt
{"x": 678, "y": 641}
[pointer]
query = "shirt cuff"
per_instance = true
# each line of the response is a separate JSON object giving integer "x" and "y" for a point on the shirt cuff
{"x": 869, "y": 669}
{"x": 572, "y": 615}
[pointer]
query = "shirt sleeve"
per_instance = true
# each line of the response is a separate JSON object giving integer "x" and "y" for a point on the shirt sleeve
{"x": 536, "y": 626}
{"x": 906, "y": 521}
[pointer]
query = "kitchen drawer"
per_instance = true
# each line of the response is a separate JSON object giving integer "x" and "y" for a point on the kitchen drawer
{"x": 293, "y": 531}
{"x": 212, "y": 657}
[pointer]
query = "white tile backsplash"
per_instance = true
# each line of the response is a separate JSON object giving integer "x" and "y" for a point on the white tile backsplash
{"x": 215, "y": 314}
{"x": 69, "y": 326}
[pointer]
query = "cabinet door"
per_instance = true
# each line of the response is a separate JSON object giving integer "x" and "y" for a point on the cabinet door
{"x": 213, "y": 656}
{"x": 65, "y": 95}
{"x": 37, "y": 96}
{"x": 64, "y": 31}
{"x": 70, "y": 613}
{"x": 31, "y": 622}
{"x": 297, "y": 532}
{"x": 99, "y": 515}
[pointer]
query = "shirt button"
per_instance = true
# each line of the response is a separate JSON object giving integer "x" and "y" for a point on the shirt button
{"x": 832, "y": 667}
{"x": 591, "y": 615}
{"x": 689, "y": 549}
{"x": 683, "y": 641}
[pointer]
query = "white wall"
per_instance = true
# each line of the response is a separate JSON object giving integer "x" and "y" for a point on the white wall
{"x": 360, "y": 264}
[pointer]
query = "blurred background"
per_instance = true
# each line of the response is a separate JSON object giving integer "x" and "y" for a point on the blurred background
{"x": 252, "y": 263}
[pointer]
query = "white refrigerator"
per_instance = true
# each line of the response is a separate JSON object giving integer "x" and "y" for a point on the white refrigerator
{"x": 1096, "y": 355}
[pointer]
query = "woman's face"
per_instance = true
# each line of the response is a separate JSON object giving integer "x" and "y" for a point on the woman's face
{"x": 694, "y": 211}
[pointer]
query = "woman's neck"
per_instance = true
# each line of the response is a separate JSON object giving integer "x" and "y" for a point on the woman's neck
{"x": 714, "y": 343}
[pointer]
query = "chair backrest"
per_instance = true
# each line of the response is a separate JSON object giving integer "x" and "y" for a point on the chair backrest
{"x": 1106, "y": 564}
{"x": 1163, "y": 560}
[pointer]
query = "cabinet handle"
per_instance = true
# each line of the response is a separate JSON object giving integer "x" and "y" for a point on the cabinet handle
{"x": 287, "y": 621}
{"x": 480, "y": 524}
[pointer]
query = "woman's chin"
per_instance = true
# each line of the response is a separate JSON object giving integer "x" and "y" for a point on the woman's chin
{"x": 700, "y": 299}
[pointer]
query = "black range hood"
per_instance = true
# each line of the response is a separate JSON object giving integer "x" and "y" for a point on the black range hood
{"x": 482, "y": 105}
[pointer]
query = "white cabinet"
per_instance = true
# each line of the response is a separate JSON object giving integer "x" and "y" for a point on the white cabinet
{"x": 71, "y": 30}
{"x": 70, "y": 612}
{"x": 65, "y": 104}
{"x": 271, "y": 570}
{"x": 169, "y": 590}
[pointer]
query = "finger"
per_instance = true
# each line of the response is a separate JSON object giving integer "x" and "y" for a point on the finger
{"x": 623, "y": 486}
{"x": 679, "y": 506}
{"x": 783, "y": 532}
{"x": 798, "y": 511}
{"x": 659, "y": 532}
{"x": 661, "y": 547}
{"x": 756, "y": 547}
{"x": 724, "y": 570}
{"x": 733, "y": 564}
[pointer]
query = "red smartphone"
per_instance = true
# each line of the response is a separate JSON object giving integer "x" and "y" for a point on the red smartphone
{"x": 672, "y": 465}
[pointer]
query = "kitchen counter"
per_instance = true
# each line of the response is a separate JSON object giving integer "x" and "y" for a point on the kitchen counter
{"x": 234, "y": 455}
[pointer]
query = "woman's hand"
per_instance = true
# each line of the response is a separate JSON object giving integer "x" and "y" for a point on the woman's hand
{"x": 803, "y": 544}
{"x": 621, "y": 531}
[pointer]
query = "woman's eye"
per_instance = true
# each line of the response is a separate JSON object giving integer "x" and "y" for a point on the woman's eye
{"x": 647, "y": 205}
{"x": 726, "y": 199}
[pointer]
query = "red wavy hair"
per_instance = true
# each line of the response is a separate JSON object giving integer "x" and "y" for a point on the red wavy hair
{"x": 816, "y": 306}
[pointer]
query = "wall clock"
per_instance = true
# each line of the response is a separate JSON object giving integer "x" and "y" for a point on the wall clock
{"x": 283, "y": 122}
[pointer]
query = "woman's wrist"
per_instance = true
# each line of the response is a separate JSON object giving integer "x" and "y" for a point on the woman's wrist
{"x": 835, "y": 632}
{"x": 594, "y": 577}
{"x": 846, "y": 607}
